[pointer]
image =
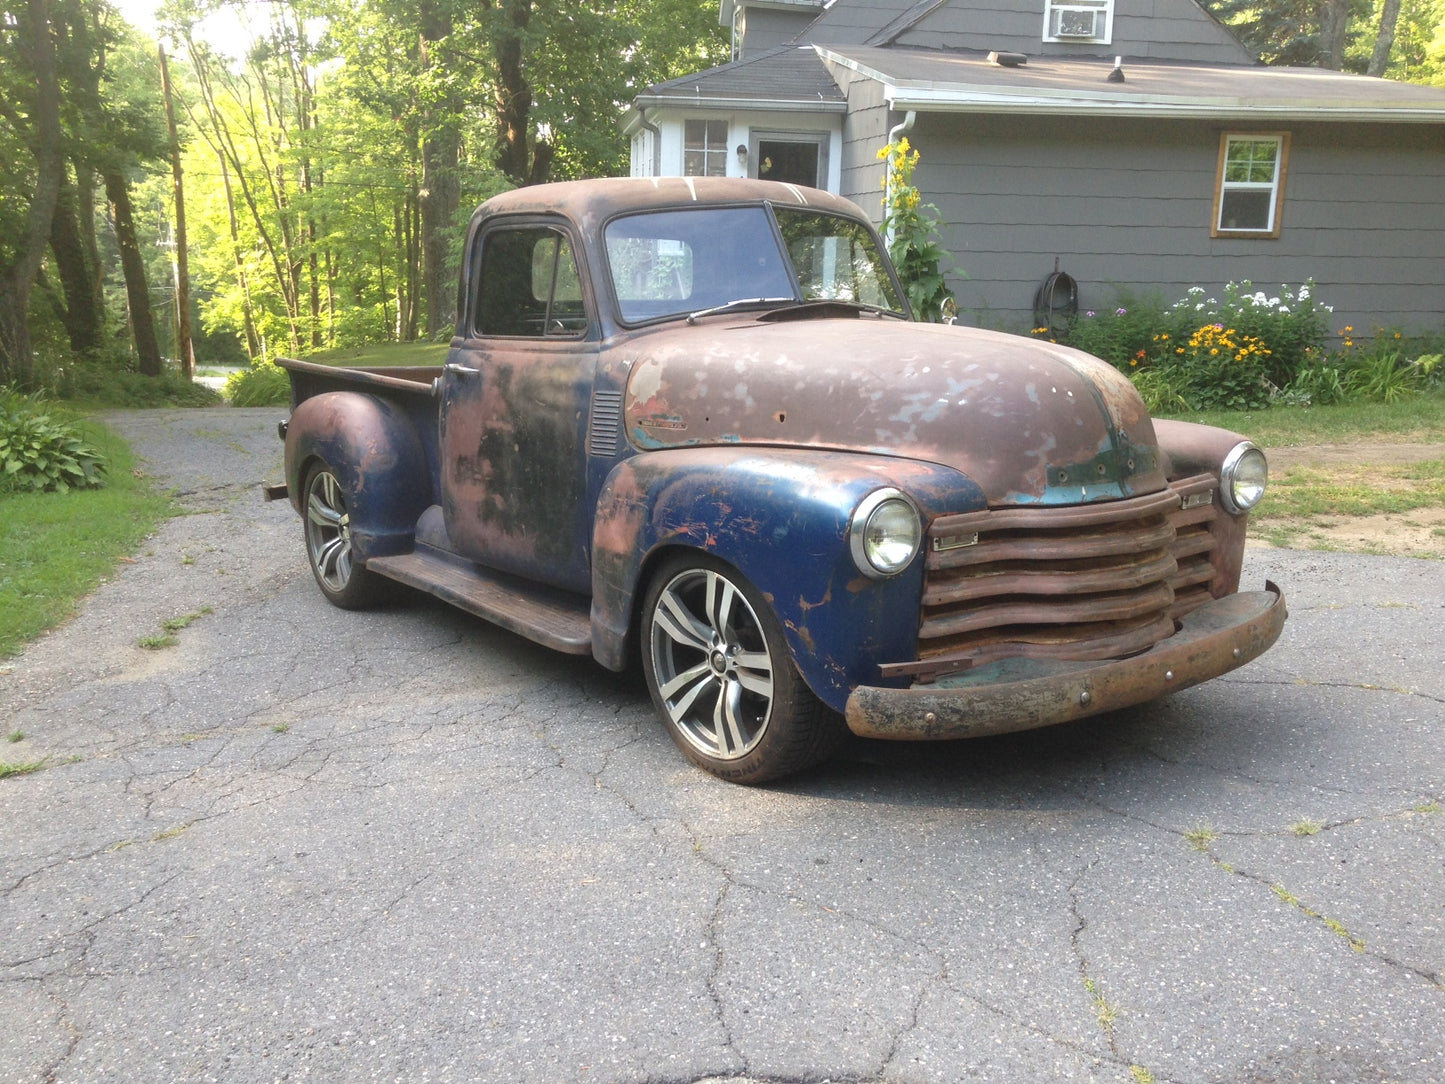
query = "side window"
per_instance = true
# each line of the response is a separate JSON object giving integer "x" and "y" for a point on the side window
{"x": 1249, "y": 184}
{"x": 705, "y": 148}
{"x": 528, "y": 286}
{"x": 1079, "y": 21}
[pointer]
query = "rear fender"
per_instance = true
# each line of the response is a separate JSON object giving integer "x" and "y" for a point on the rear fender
{"x": 376, "y": 454}
{"x": 781, "y": 518}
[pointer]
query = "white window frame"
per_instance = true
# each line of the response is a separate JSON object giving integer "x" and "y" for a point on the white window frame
{"x": 1055, "y": 10}
{"x": 1224, "y": 183}
{"x": 643, "y": 153}
{"x": 714, "y": 155}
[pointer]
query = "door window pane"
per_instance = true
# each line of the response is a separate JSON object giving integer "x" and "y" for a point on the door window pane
{"x": 528, "y": 285}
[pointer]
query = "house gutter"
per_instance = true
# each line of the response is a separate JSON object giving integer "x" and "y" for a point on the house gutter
{"x": 1038, "y": 100}
{"x": 768, "y": 105}
{"x": 954, "y": 101}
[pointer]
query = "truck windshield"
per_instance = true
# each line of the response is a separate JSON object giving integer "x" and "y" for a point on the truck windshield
{"x": 671, "y": 263}
{"x": 835, "y": 259}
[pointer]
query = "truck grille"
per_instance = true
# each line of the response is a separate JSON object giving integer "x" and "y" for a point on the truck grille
{"x": 1085, "y": 582}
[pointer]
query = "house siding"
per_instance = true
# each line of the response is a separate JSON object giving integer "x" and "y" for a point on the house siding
{"x": 762, "y": 29}
{"x": 1126, "y": 205}
{"x": 865, "y": 131}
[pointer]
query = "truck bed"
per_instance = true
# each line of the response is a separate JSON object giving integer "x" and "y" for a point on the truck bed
{"x": 308, "y": 378}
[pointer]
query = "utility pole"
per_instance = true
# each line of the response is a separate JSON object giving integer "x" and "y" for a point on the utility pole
{"x": 183, "y": 278}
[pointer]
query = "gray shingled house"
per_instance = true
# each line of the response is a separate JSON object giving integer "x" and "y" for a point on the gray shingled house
{"x": 1135, "y": 142}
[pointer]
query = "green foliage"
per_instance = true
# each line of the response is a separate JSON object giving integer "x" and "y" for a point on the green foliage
{"x": 1381, "y": 371}
{"x": 263, "y": 384}
{"x": 912, "y": 233}
{"x": 42, "y": 453}
{"x": 1237, "y": 353}
{"x": 56, "y": 547}
{"x": 103, "y": 385}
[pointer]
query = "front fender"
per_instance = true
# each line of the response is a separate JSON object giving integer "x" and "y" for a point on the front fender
{"x": 375, "y": 451}
{"x": 780, "y": 517}
{"x": 1188, "y": 448}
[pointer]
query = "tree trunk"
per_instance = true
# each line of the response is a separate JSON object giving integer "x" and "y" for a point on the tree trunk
{"x": 18, "y": 267}
{"x": 82, "y": 309}
{"x": 137, "y": 291}
{"x": 184, "y": 349}
{"x": 1334, "y": 24}
{"x": 1385, "y": 39}
{"x": 514, "y": 96}
{"x": 440, "y": 183}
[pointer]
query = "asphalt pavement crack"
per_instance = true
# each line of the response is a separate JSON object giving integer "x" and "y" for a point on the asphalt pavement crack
{"x": 1284, "y": 895}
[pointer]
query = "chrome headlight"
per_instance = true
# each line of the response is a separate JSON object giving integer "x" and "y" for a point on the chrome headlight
{"x": 885, "y": 533}
{"x": 1242, "y": 481}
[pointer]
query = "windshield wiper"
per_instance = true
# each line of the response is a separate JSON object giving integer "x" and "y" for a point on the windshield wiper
{"x": 737, "y": 303}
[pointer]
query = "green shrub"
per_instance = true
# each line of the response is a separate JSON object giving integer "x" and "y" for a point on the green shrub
{"x": 1320, "y": 384}
{"x": 1383, "y": 377}
{"x": 1288, "y": 331}
{"x": 263, "y": 384}
{"x": 1127, "y": 334}
{"x": 114, "y": 386}
{"x": 38, "y": 452}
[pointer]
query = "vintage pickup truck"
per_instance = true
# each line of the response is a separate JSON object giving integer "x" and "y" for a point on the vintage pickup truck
{"x": 690, "y": 422}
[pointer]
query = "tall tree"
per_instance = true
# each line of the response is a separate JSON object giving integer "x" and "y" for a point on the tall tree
{"x": 30, "y": 134}
{"x": 1351, "y": 35}
{"x": 441, "y": 149}
{"x": 1385, "y": 38}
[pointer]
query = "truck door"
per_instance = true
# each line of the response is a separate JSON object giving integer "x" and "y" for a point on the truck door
{"x": 514, "y": 408}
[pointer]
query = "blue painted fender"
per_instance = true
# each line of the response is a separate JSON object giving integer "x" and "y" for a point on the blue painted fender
{"x": 780, "y": 516}
{"x": 375, "y": 451}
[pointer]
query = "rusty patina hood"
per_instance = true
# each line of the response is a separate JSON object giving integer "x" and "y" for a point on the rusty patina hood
{"x": 1030, "y": 422}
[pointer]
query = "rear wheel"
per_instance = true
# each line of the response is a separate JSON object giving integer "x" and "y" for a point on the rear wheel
{"x": 722, "y": 679}
{"x": 327, "y": 521}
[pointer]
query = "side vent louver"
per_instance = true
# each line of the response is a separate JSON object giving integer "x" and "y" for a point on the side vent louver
{"x": 605, "y": 425}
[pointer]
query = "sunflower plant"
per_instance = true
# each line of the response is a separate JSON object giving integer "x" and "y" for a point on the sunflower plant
{"x": 912, "y": 233}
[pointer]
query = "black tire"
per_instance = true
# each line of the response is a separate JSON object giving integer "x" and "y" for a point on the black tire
{"x": 720, "y": 674}
{"x": 326, "y": 522}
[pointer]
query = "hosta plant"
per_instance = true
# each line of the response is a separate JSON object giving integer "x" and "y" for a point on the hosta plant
{"x": 40, "y": 453}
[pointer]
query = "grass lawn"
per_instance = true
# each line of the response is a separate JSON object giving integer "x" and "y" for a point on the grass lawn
{"x": 56, "y": 548}
{"x": 1417, "y": 420}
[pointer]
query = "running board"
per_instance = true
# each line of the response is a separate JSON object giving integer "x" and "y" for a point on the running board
{"x": 551, "y": 618}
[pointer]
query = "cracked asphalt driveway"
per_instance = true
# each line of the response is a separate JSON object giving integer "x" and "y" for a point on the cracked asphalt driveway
{"x": 303, "y": 844}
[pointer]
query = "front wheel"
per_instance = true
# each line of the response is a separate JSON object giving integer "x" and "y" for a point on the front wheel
{"x": 327, "y": 519}
{"x": 722, "y": 679}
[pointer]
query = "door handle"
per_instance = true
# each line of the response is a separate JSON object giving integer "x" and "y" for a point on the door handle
{"x": 461, "y": 370}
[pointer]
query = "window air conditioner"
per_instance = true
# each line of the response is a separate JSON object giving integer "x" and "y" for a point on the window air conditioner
{"x": 1076, "y": 22}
